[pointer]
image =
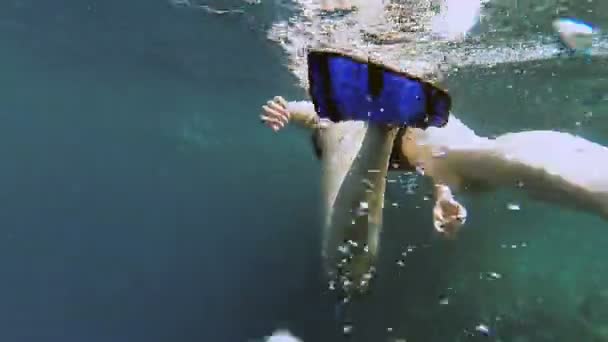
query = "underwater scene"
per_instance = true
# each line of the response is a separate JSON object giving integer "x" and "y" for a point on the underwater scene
{"x": 209, "y": 170}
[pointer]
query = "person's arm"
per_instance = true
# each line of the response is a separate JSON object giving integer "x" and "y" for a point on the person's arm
{"x": 448, "y": 214}
{"x": 303, "y": 114}
{"x": 555, "y": 167}
{"x": 277, "y": 113}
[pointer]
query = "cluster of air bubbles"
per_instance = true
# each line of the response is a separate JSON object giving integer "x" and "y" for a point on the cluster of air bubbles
{"x": 408, "y": 250}
{"x": 347, "y": 252}
{"x": 411, "y": 185}
{"x": 407, "y": 181}
{"x": 514, "y": 246}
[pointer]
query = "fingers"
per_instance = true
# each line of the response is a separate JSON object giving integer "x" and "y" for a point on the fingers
{"x": 273, "y": 117}
{"x": 448, "y": 217}
{"x": 276, "y": 110}
{"x": 275, "y": 114}
{"x": 281, "y": 101}
{"x": 278, "y": 107}
{"x": 438, "y": 219}
{"x": 271, "y": 122}
{"x": 439, "y": 227}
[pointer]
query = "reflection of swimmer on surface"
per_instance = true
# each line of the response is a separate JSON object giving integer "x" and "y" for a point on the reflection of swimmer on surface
{"x": 553, "y": 166}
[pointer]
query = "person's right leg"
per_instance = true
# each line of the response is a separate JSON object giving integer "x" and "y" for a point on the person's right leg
{"x": 355, "y": 164}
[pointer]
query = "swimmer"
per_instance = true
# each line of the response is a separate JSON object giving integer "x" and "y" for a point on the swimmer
{"x": 552, "y": 166}
{"x": 354, "y": 159}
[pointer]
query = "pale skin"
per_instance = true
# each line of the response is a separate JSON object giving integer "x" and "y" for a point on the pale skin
{"x": 573, "y": 172}
{"x": 448, "y": 214}
{"x": 331, "y": 5}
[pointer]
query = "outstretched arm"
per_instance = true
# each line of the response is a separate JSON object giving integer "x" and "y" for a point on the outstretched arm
{"x": 552, "y": 166}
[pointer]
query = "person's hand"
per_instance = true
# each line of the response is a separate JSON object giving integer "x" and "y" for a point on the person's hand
{"x": 275, "y": 114}
{"x": 448, "y": 216}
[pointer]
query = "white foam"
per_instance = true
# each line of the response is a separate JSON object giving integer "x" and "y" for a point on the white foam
{"x": 456, "y": 18}
{"x": 416, "y": 49}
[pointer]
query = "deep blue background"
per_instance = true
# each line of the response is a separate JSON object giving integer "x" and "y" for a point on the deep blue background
{"x": 113, "y": 225}
{"x": 142, "y": 200}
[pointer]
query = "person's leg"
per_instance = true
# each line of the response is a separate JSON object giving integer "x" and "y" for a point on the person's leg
{"x": 355, "y": 164}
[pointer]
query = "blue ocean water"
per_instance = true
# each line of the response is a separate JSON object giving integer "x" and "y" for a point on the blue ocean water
{"x": 143, "y": 201}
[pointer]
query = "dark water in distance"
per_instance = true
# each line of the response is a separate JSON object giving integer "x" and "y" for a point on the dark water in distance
{"x": 114, "y": 226}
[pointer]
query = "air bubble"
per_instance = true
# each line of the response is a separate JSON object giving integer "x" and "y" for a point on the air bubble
{"x": 483, "y": 329}
{"x": 363, "y": 209}
{"x": 367, "y": 183}
{"x": 491, "y": 276}
{"x": 438, "y": 153}
{"x": 347, "y": 329}
{"x": 513, "y": 206}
